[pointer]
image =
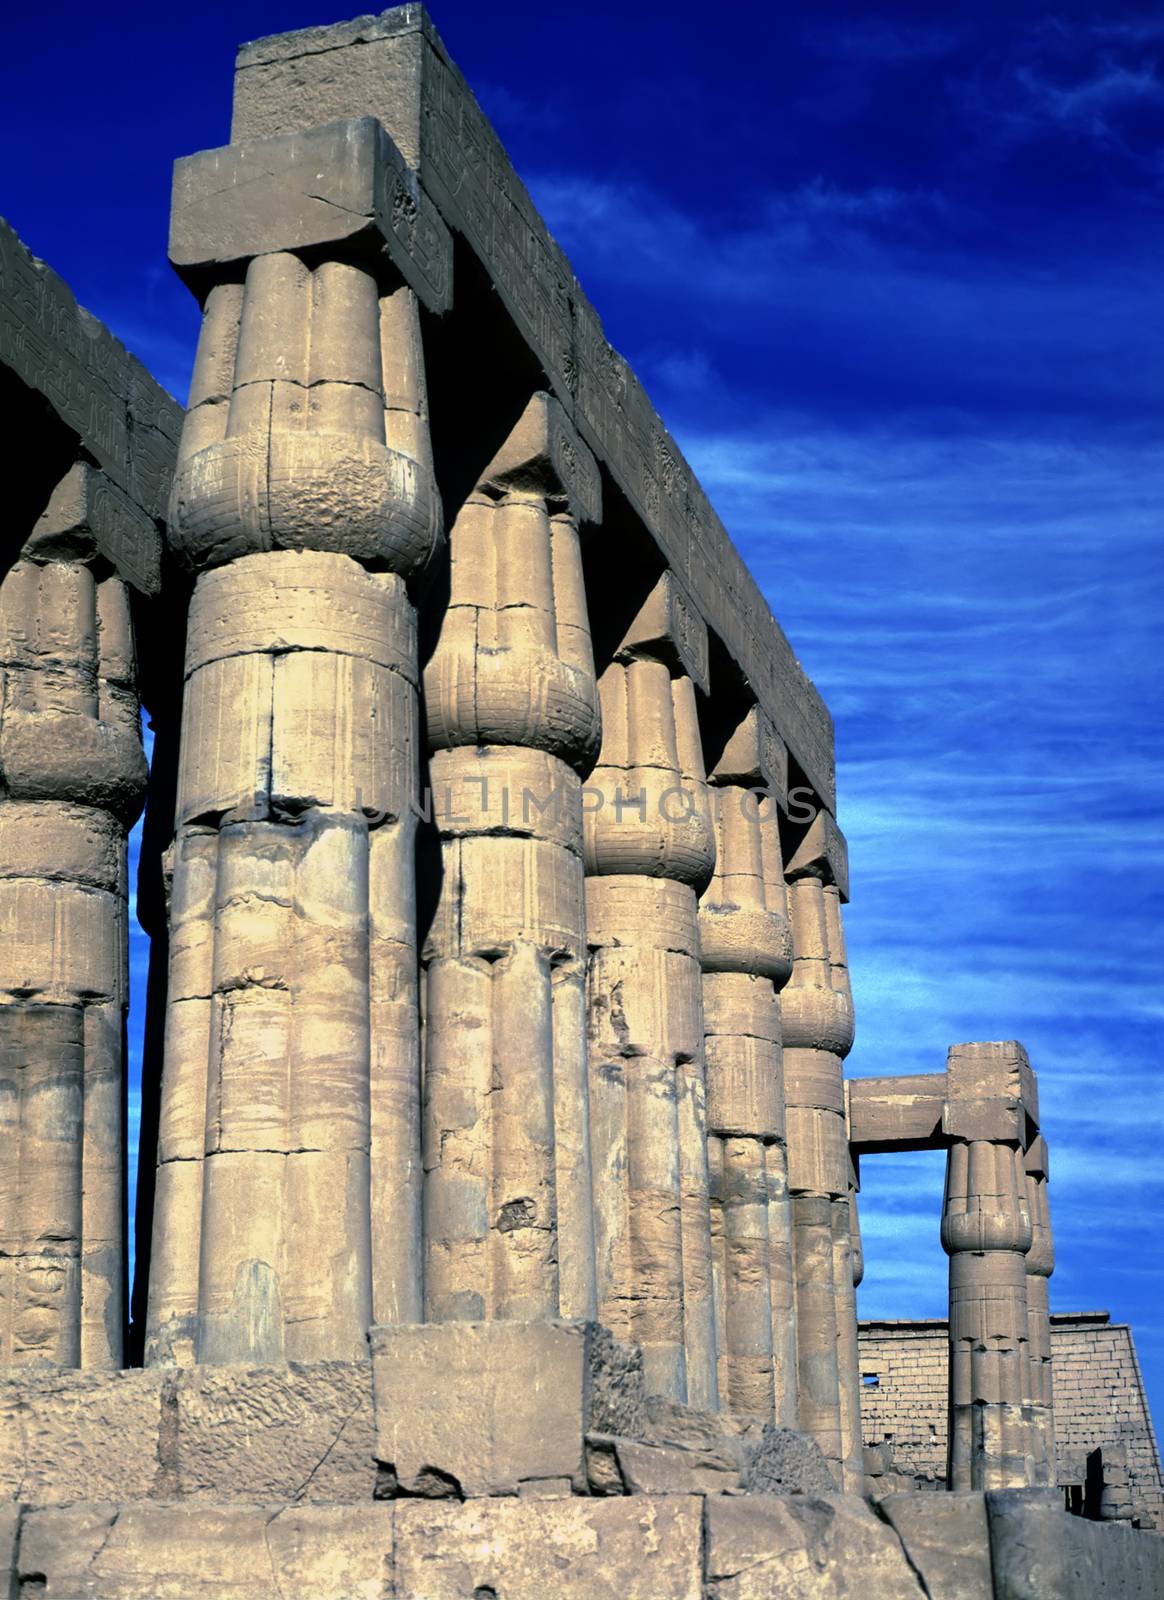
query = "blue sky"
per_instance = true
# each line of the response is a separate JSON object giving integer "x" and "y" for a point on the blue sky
{"x": 892, "y": 276}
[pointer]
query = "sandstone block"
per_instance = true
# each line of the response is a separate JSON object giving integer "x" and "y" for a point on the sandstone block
{"x": 295, "y": 1433}
{"x": 991, "y": 1092}
{"x": 822, "y": 853}
{"x": 643, "y": 1548}
{"x": 755, "y": 756}
{"x": 223, "y": 1552}
{"x": 480, "y": 1408}
{"x": 669, "y": 624}
{"x": 946, "y": 1539}
{"x": 343, "y": 183}
{"x": 655, "y": 1468}
{"x": 79, "y": 1436}
{"x": 1038, "y": 1551}
{"x": 543, "y": 453}
{"x": 800, "y": 1547}
{"x": 87, "y": 512}
{"x": 301, "y": 1432}
{"x": 121, "y": 416}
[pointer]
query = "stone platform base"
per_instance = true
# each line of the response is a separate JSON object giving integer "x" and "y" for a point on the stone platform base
{"x": 499, "y": 1461}
{"x": 639, "y": 1547}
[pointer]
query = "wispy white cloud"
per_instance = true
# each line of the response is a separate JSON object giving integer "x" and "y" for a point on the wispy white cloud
{"x": 1063, "y": 78}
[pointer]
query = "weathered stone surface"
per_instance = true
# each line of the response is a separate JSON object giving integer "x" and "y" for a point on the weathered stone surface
{"x": 991, "y": 1092}
{"x": 622, "y": 1549}
{"x": 478, "y": 1408}
{"x": 183, "y": 1552}
{"x": 10, "y": 1519}
{"x": 822, "y": 853}
{"x": 783, "y": 1461}
{"x": 79, "y": 1436}
{"x": 287, "y": 1433}
{"x": 682, "y": 1451}
{"x": 87, "y": 513}
{"x": 1038, "y": 1552}
{"x": 800, "y": 1547}
{"x": 342, "y": 183}
{"x": 946, "y": 1540}
{"x": 896, "y": 1113}
{"x": 296, "y": 1433}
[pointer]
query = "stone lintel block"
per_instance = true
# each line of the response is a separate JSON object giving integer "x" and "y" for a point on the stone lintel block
{"x": 1036, "y": 1160}
{"x": 991, "y": 1092}
{"x": 341, "y": 184}
{"x": 1038, "y": 1551}
{"x": 896, "y": 1113}
{"x": 791, "y": 1547}
{"x": 822, "y": 853}
{"x": 755, "y": 756}
{"x": 479, "y": 1408}
{"x": 88, "y": 513}
{"x": 668, "y": 625}
{"x": 544, "y": 454}
{"x": 946, "y": 1539}
{"x": 624, "y": 1548}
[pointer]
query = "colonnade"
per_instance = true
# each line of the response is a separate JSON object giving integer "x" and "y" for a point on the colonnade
{"x": 506, "y": 981}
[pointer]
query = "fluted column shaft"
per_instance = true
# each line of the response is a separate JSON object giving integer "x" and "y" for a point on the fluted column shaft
{"x": 747, "y": 956}
{"x": 73, "y": 775}
{"x": 986, "y": 1231}
{"x": 817, "y": 1014}
{"x": 649, "y": 848}
{"x": 287, "y": 1210}
{"x": 513, "y": 721}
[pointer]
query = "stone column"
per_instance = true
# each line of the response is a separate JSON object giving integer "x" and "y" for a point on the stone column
{"x": 817, "y": 1014}
{"x": 747, "y": 957}
{"x": 650, "y": 848}
{"x": 986, "y": 1231}
{"x": 287, "y": 1210}
{"x": 73, "y": 776}
{"x": 1040, "y": 1263}
{"x": 848, "y": 1270}
{"x": 513, "y": 722}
